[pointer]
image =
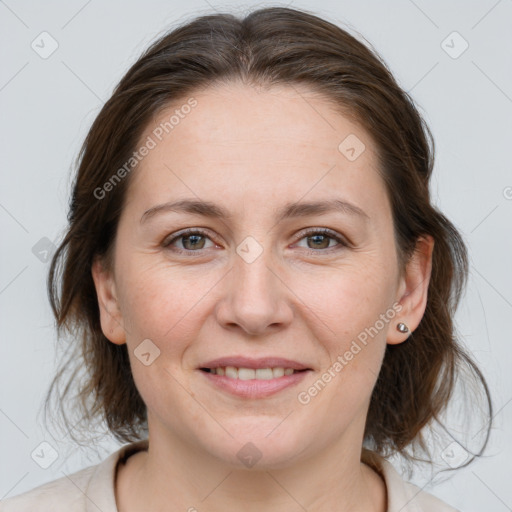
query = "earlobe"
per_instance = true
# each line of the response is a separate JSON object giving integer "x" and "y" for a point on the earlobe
{"x": 413, "y": 291}
{"x": 110, "y": 313}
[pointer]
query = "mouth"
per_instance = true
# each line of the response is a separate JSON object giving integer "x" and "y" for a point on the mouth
{"x": 232, "y": 372}
{"x": 253, "y": 378}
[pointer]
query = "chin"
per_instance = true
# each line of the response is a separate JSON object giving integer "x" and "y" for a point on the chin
{"x": 259, "y": 445}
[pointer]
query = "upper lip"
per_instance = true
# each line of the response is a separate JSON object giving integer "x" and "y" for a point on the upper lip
{"x": 262, "y": 362}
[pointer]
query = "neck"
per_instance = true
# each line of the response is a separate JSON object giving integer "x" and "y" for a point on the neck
{"x": 172, "y": 475}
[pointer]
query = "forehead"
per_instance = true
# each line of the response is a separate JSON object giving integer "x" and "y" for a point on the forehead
{"x": 247, "y": 117}
{"x": 239, "y": 141}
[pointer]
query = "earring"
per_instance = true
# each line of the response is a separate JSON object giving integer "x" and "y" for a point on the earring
{"x": 402, "y": 327}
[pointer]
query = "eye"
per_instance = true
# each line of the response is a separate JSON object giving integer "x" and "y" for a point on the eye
{"x": 191, "y": 241}
{"x": 319, "y": 240}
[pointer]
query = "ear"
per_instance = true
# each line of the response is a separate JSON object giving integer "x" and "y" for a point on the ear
{"x": 413, "y": 290}
{"x": 110, "y": 313}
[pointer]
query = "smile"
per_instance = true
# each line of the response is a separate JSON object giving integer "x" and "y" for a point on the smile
{"x": 233, "y": 372}
{"x": 253, "y": 378}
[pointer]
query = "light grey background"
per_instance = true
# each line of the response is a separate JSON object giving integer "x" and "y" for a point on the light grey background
{"x": 48, "y": 104}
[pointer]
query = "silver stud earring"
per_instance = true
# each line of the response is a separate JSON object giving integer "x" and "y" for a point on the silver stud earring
{"x": 402, "y": 327}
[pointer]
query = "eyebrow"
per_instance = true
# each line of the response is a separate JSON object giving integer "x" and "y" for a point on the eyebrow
{"x": 288, "y": 211}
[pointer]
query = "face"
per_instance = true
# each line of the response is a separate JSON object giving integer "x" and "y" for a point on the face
{"x": 256, "y": 289}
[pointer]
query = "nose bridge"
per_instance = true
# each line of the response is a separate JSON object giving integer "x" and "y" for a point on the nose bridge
{"x": 255, "y": 298}
{"x": 252, "y": 276}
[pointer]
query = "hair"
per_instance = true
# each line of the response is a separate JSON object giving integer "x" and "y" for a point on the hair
{"x": 269, "y": 46}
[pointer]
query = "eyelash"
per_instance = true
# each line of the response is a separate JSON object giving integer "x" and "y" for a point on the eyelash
{"x": 195, "y": 231}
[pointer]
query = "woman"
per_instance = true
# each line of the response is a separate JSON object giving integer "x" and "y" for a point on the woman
{"x": 263, "y": 290}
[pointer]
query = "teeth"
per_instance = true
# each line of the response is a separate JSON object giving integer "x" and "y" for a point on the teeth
{"x": 278, "y": 372}
{"x": 249, "y": 373}
{"x": 246, "y": 373}
{"x": 231, "y": 372}
{"x": 264, "y": 373}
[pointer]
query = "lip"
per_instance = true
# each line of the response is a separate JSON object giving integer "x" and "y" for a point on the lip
{"x": 247, "y": 362}
{"x": 254, "y": 388}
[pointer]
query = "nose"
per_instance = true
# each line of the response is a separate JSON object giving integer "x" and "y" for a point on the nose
{"x": 255, "y": 297}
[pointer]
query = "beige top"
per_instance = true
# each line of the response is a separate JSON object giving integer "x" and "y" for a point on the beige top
{"x": 92, "y": 490}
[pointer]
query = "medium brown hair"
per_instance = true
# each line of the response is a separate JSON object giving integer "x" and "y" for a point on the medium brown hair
{"x": 267, "y": 47}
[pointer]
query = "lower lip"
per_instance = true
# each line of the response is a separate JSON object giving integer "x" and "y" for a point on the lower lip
{"x": 254, "y": 388}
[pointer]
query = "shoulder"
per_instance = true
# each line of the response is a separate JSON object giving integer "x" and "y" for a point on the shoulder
{"x": 89, "y": 489}
{"x": 404, "y": 496}
{"x": 66, "y": 493}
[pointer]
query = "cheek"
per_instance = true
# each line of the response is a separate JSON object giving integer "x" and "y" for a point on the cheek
{"x": 158, "y": 305}
{"x": 159, "y": 300}
{"x": 355, "y": 312}
{"x": 354, "y": 306}
{"x": 350, "y": 298}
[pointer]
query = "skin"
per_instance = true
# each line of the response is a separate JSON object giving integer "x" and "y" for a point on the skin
{"x": 252, "y": 151}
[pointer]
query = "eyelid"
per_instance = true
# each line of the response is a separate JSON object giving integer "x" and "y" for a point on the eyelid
{"x": 342, "y": 240}
{"x": 184, "y": 232}
{"x": 323, "y": 231}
